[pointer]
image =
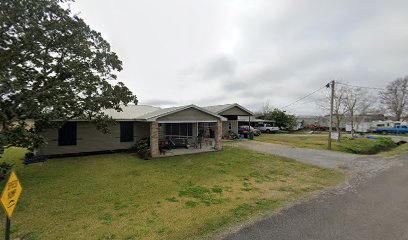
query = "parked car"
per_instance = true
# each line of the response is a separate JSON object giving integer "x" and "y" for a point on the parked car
{"x": 400, "y": 129}
{"x": 317, "y": 127}
{"x": 247, "y": 129}
{"x": 267, "y": 128}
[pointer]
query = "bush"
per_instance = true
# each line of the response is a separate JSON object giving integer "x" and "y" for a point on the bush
{"x": 142, "y": 148}
{"x": 5, "y": 169}
{"x": 366, "y": 146}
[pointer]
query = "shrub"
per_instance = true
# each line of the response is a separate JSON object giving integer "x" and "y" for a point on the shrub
{"x": 5, "y": 169}
{"x": 366, "y": 146}
{"x": 142, "y": 148}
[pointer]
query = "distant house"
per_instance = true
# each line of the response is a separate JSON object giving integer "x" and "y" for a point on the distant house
{"x": 188, "y": 123}
{"x": 253, "y": 121}
{"x": 307, "y": 120}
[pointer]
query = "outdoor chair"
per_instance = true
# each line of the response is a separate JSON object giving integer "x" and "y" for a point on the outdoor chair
{"x": 178, "y": 143}
{"x": 162, "y": 146}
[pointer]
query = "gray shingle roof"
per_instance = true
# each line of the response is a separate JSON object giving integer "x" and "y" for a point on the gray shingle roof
{"x": 144, "y": 112}
{"x": 220, "y": 108}
{"x": 160, "y": 112}
{"x": 131, "y": 112}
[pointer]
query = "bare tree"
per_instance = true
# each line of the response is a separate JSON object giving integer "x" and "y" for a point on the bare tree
{"x": 395, "y": 97}
{"x": 339, "y": 107}
{"x": 266, "y": 108}
{"x": 356, "y": 101}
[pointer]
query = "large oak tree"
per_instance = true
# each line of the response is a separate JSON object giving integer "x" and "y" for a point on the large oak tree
{"x": 53, "y": 66}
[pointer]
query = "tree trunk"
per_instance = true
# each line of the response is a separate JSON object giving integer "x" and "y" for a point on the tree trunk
{"x": 352, "y": 123}
{"x": 338, "y": 128}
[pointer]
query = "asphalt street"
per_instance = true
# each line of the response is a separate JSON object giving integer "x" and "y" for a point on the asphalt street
{"x": 376, "y": 208}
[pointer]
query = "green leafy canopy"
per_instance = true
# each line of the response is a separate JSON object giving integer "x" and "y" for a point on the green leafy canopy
{"x": 282, "y": 120}
{"x": 53, "y": 66}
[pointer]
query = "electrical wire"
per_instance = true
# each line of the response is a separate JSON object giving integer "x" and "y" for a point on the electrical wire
{"x": 349, "y": 85}
{"x": 325, "y": 86}
{"x": 300, "y": 99}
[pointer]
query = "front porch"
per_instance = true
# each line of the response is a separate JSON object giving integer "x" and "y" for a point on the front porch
{"x": 184, "y": 130}
{"x": 178, "y": 138}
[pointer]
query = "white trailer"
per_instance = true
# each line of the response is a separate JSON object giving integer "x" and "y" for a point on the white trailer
{"x": 363, "y": 127}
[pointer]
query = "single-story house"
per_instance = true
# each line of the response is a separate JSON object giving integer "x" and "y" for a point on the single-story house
{"x": 194, "y": 125}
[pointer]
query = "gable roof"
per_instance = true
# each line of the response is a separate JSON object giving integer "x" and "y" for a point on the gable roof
{"x": 152, "y": 116}
{"x": 150, "y": 113}
{"x": 221, "y": 108}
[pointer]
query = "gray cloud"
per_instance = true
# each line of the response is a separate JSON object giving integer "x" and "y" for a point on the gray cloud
{"x": 219, "y": 51}
{"x": 158, "y": 102}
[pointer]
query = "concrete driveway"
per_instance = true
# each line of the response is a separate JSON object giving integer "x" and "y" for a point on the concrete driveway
{"x": 374, "y": 205}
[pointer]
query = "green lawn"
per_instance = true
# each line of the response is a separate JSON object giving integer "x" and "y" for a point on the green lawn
{"x": 119, "y": 196}
{"x": 302, "y": 141}
{"x": 357, "y": 145}
{"x": 403, "y": 148}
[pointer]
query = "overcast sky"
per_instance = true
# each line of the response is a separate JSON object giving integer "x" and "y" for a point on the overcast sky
{"x": 210, "y": 52}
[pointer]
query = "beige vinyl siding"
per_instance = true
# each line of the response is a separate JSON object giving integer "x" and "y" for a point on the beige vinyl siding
{"x": 89, "y": 139}
{"x": 225, "y": 126}
{"x": 141, "y": 130}
{"x": 188, "y": 115}
{"x": 235, "y": 111}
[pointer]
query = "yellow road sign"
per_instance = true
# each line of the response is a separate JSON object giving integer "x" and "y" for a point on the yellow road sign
{"x": 11, "y": 194}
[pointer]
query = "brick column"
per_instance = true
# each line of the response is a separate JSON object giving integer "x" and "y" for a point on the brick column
{"x": 218, "y": 135}
{"x": 154, "y": 139}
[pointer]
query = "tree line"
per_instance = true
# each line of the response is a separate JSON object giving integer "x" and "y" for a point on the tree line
{"x": 349, "y": 102}
{"x": 352, "y": 101}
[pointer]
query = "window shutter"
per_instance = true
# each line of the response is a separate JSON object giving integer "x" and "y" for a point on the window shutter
{"x": 67, "y": 134}
{"x": 126, "y": 131}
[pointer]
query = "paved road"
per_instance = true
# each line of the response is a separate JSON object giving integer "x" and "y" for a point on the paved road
{"x": 374, "y": 206}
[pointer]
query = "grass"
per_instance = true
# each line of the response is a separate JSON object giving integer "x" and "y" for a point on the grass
{"x": 303, "y": 141}
{"x": 403, "y": 148}
{"x": 120, "y": 196}
{"x": 350, "y": 145}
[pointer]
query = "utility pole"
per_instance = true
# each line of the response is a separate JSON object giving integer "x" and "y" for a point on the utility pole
{"x": 329, "y": 146}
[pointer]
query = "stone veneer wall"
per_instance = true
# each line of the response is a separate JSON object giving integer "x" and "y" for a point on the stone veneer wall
{"x": 218, "y": 135}
{"x": 154, "y": 139}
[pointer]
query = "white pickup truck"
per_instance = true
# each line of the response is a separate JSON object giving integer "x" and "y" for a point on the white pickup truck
{"x": 267, "y": 128}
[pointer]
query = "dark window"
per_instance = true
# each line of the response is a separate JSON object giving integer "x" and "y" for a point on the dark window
{"x": 175, "y": 129}
{"x": 179, "y": 129}
{"x": 126, "y": 131}
{"x": 67, "y": 134}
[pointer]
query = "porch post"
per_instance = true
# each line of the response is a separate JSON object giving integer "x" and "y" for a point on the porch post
{"x": 218, "y": 135}
{"x": 154, "y": 139}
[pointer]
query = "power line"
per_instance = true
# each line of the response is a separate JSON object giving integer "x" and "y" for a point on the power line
{"x": 300, "y": 99}
{"x": 325, "y": 86}
{"x": 349, "y": 85}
